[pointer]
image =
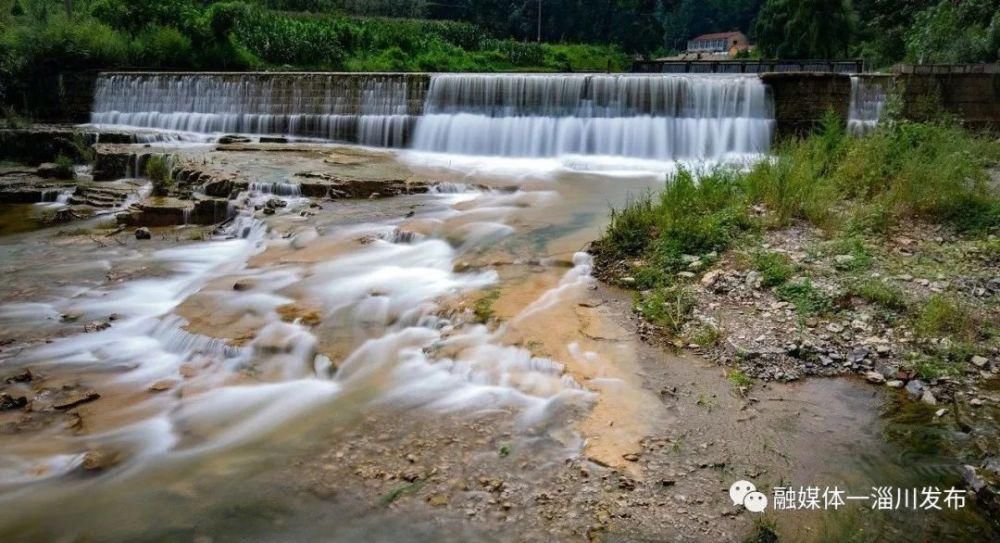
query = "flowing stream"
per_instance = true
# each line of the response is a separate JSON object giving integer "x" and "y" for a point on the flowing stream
{"x": 218, "y": 360}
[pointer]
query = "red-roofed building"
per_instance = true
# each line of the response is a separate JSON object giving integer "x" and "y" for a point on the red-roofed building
{"x": 719, "y": 42}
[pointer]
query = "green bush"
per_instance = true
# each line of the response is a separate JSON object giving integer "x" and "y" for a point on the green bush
{"x": 162, "y": 47}
{"x": 881, "y": 293}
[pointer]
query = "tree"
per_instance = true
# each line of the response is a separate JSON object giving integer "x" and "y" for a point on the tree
{"x": 805, "y": 28}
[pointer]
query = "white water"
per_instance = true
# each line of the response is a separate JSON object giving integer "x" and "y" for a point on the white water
{"x": 318, "y": 106}
{"x": 663, "y": 117}
{"x": 868, "y": 97}
{"x": 660, "y": 117}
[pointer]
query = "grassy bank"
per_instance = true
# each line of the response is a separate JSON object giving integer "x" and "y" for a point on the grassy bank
{"x": 853, "y": 199}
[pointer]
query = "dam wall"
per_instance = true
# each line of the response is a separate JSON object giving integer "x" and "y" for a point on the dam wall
{"x": 383, "y": 108}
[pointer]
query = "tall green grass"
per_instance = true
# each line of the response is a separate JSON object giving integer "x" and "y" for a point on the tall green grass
{"x": 929, "y": 172}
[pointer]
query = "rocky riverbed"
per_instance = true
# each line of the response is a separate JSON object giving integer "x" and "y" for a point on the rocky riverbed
{"x": 363, "y": 344}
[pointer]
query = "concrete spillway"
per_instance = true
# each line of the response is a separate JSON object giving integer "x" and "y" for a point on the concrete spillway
{"x": 646, "y": 116}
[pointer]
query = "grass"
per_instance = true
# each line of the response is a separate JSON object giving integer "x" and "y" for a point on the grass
{"x": 401, "y": 491}
{"x": 740, "y": 380}
{"x": 853, "y": 189}
{"x": 764, "y": 531}
{"x": 881, "y": 293}
{"x": 944, "y": 316}
{"x": 483, "y": 308}
{"x": 668, "y": 308}
{"x": 157, "y": 170}
{"x": 706, "y": 335}
{"x": 775, "y": 268}
{"x": 807, "y": 299}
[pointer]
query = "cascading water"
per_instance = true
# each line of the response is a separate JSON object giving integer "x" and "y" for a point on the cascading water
{"x": 371, "y": 110}
{"x": 662, "y": 117}
{"x": 867, "y": 102}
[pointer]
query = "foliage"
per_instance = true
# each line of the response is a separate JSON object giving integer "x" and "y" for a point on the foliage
{"x": 880, "y": 293}
{"x": 949, "y": 32}
{"x": 668, "y": 308}
{"x": 157, "y": 170}
{"x": 775, "y": 268}
{"x": 805, "y": 28}
{"x": 806, "y": 297}
{"x": 942, "y": 316}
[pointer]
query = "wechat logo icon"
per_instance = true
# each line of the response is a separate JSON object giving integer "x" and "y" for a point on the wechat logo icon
{"x": 745, "y": 493}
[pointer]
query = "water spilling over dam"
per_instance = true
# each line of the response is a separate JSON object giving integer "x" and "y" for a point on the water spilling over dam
{"x": 663, "y": 117}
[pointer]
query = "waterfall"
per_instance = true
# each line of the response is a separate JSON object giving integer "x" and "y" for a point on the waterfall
{"x": 659, "y": 116}
{"x": 370, "y": 109}
{"x": 867, "y": 101}
{"x": 648, "y": 116}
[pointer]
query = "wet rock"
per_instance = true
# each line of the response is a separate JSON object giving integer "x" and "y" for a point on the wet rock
{"x": 76, "y": 399}
{"x": 874, "y": 377}
{"x": 143, "y": 233}
{"x": 244, "y": 285}
{"x": 230, "y": 139}
{"x": 22, "y": 377}
{"x": 96, "y": 460}
{"x": 304, "y": 238}
{"x": 8, "y": 402}
{"x": 162, "y": 385}
{"x": 273, "y": 139}
{"x": 51, "y": 170}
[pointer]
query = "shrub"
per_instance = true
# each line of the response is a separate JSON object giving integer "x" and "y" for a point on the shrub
{"x": 157, "y": 170}
{"x": 162, "y": 47}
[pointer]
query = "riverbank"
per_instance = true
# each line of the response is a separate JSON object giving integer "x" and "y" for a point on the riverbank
{"x": 874, "y": 257}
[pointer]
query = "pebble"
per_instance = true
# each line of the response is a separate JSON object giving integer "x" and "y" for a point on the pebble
{"x": 940, "y": 412}
{"x": 834, "y": 328}
{"x": 143, "y": 233}
{"x": 895, "y": 383}
{"x": 980, "y": 361}
{"x": 976, "y": 402}
{"x": 915, "y": 388}
{"x": 928, "y": 398}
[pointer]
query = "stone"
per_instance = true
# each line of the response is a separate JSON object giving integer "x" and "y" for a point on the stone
{"x": 915, "y": 388}
{"x": 975, "y": 482}
{"x": 844, "y": 260}
{"x": 23, "y": 377}
{"x": 631, "y": 457}
{"x": 51, "y": 170}
{"x": 710, "y": 278}
{"x": 143, "y": 233}
{"x": 8, "y": 402}
{"x": 753, "y": 280}
{"x": 976, "y": 402}
{"x": 883, "y": 350}
{"x": 95, "y": 460}
{"x": 244, "y": 285}
{"x": 980, "y": 361}
{"x": 304, "y": 238}
{"x": 928, "y": 398}
{"x": 858, "y": 355}
{"x": 895, "y": 383}
{"x": 162, "y": 385}
{"x": 874, "y": 377}
{"x": 940, "y": 412}
{"x": 834, "y": 328}
{"x": 76, "y": 399}
{"x": 685, "y": 275}
{"x": 628, "y": 280}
